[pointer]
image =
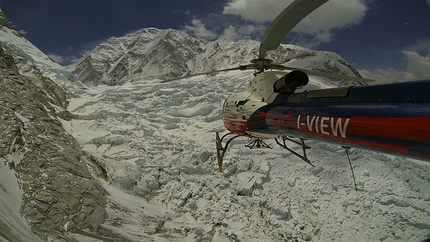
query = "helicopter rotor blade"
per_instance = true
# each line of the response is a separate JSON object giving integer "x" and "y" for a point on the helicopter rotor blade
{"x": 273, "y": 37}
{"x": 327, "y": 74}
{"x": 285, "y": 22}
{"x": 213, "y": 72}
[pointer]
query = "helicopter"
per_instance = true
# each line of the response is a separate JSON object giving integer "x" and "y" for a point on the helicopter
{"x": 390, "y": 118}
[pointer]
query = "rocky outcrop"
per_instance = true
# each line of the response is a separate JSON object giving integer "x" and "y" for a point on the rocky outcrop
{"x": 5, "y": 22}
{"x": 59, "y": 192}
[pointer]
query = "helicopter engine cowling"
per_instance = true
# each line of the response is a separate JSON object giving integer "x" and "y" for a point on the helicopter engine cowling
{"x": 291, "y": 81}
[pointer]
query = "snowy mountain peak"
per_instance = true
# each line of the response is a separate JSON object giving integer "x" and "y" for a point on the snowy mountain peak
{"x": 152, "y": 53}
{"x": 30, "y": 60}
{"x": 4, "y": 22}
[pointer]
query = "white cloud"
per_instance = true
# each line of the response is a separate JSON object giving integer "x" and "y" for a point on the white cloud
{"x": 235, "y": 33}
{"x": 62, "y": 59}
{"x": 428, "y": 1}
{"x": 385, "y": 75}
{"x": 199, "y": 30}
{"x": 318, "y": 25}
{"x": 56, "y": 58}
{"x": 418, "y": 68}
{"x": 256, "y": 11}
{"x": 421, "y": 45}
{"x": 23, "y": 32}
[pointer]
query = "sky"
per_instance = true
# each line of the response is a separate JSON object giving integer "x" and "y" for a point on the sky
{"x": 383, "y": 39}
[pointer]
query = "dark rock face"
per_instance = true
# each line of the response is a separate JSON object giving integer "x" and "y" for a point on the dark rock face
{"x": 59, "y": 192}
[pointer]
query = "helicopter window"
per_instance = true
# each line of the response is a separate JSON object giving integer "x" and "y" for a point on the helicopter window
{"x": 224, "y": 106}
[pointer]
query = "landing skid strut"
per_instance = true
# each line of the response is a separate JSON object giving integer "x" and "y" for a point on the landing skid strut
{"x": 258, "y": 143}
{"x": 301, "y": 143}
{"x": 220, "y": 150}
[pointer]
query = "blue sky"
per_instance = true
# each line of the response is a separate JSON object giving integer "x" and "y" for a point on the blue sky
{"x": 383, "y": 39}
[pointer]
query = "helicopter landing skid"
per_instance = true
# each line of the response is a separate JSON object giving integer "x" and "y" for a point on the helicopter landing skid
{"x": 220, "y": 150}
{"x": 301, "y": 143}
{"x": 257, "y": 143}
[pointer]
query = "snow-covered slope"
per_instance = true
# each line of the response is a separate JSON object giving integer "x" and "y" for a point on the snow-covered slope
{"x": 31, "y": 61}
{"x": 153, "y": 53}
{"x": 46, "y": 184}
{"x": 157, "y": 143}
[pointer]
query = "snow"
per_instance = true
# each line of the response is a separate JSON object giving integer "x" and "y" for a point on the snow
{"x": 10, "y": 200}
{"x": 204, "y": 109}
{"x": 158, "y": 144}
{"x": 25, "y": 49}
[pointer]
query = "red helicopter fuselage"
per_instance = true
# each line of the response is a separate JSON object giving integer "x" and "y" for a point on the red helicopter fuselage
{"x": 392, "y": 118}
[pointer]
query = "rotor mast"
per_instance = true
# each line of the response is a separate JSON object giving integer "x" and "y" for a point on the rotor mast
{"x": 285, "y": 22}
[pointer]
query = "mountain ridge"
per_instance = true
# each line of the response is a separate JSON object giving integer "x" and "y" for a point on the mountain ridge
{"x": 152, "y": 53}
{"x": 47, "y": 185}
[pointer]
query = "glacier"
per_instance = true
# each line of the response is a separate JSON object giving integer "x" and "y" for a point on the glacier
{"x": 158, "y": 144}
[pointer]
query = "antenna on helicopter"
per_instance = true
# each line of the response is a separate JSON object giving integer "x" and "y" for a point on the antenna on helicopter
{"x": 347, "y": 150}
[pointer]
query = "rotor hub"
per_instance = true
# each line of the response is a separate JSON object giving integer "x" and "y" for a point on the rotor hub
{"x": 262, "y": 64}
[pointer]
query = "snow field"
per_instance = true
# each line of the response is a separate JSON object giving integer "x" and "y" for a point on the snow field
{"x": 158, "y": 144}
